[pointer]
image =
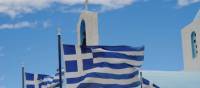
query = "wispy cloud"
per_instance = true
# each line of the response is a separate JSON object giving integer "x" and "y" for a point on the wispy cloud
{"x": 182, "y": 3}
{"x": 19, "y": 25}
{"x": 46, "y": 24}
{"x": 25, "y": 24}
{"x": 15, "y": 7}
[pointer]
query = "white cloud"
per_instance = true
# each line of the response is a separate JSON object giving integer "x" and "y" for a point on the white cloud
{"x": 15, "y": 7}
{"x": 186, "y": 2}
{"x": 19, "y": 25}
{"x": 105, "y": 3}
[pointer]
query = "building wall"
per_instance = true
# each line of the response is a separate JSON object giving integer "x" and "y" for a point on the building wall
{"x": 173, "y": 79}
{"x": 191, "y": 62}
{"x": 91, "y": 24}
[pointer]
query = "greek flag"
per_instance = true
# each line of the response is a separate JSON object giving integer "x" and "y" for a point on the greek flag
{"x": 34, "y": 80}
{"x": 51, "y": 82}
{"x": 147, "y": 84}
{"x": 40, "y": 81}
{"x": 102, "y": 66}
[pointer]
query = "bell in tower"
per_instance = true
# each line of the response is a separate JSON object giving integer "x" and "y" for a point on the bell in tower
{"x": 87, "y": 28}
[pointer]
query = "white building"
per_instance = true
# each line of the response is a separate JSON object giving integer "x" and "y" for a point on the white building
{"x": 87, "y": 33}
{"x": 191, "y": 45}
{"x": 87, "y": 28}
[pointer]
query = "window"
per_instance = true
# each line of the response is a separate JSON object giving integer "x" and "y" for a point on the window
{"x": 194, "y": 45}
{"x": 83, "y": 33}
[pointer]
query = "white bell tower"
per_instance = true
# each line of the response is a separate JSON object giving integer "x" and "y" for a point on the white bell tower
{"x": 87, "y": 27}
{"x": 191, "y": 45}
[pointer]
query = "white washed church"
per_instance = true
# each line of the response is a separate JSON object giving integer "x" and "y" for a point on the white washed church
{"x": 191, "y": 45}
{"x": 87, "y": 33}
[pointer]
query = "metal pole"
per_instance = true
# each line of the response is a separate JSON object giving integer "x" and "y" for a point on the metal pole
{"x": 22, "y": 76}
{"x": 59, "y": 58}
{"x": 141, "y": 79}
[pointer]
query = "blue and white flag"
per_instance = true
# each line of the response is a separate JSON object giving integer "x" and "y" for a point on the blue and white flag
{"x": 52, "y": 82}
{"x": 147, "y": 84}
{"x": 34, "y": 80}
{"x": 41, "y": 81}
{"x": 102, "y": 66}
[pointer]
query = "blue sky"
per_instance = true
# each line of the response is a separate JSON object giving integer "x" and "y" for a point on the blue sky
{"x": 28, "y": 32}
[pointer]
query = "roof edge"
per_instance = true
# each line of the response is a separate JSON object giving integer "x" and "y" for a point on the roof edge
{"x": 197, "y": 15}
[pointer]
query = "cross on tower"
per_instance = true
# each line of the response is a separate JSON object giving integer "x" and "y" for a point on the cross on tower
{"x": 86, "y": 4}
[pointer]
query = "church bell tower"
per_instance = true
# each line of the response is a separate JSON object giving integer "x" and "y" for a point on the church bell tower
{"x": 191, "y": 45}
{"x": 87, "y": 27}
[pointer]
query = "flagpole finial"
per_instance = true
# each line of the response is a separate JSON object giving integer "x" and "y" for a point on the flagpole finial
{"x": 86, "y": 4}
{"x": 59, "y": 31}
{"x": 22, "y": 64}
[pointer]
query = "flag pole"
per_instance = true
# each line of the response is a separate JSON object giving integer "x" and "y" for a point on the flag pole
{"x": 22, "y": 76}
{"x": 141, "y": 79}
{"x": 59, "y": 57}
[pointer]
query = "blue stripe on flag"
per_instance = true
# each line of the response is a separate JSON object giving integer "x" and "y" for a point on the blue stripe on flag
{"x": 96, "y": 85}
{"x": 87, "y": 64}
{"x": 69, "y": 49}
{"x": 117, "y": 55}
{"x": 145, "y": 81}
{"x": 85, "y": 49}
{"x": 103, "y": 76}
{"x": 29, "y": 76}
{"x": 41, "y": 76}
{"x": 30, "y": 86}
{"x": 154, "y": 85}
{"x": 119, "y": 48}
{"x": 71, "y": 66}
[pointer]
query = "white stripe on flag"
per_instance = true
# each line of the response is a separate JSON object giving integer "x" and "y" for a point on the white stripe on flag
{"x": 147, "y": 86}
{"x": 76, "y": 56}
{"x": 70, "y": 57}
{"x": 133, "y": 53}
{"x": 117, "y": 61}
{"x": 105, "y": 81}
{"x": 29, "y": 82}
